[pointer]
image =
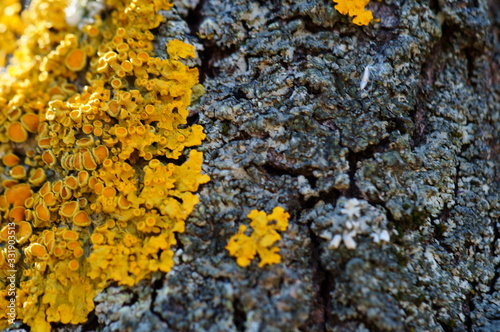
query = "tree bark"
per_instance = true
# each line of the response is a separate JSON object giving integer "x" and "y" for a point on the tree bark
{"x": 391, "y": 128}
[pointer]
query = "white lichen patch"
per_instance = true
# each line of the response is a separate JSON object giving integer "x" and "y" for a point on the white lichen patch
{"x": 305, "y": 188}
{"x": 348, "y": 222}
{"x": 82, "y": 12}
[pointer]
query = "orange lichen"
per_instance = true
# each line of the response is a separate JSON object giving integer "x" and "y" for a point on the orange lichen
{"x": 30, "y": 122}
{"x": 17, "y": 133}
{"x": 23, "y": 232}
{"x": 69, "y": 209}
{"x": 91, "y": 113}
{"x": 37, "y": 177}
{"x": 17, "y": 214}
{"x": 18, "y": 172}
{"x": 49, "y": 158}
{"x": 261, "y": 240}
{"x": 10, "y": 160}
{"x": 76, "y": 60}
{"x": 17, "y": 195}
{"x": 356, "y": 9}
{"x": 81, "y": 219}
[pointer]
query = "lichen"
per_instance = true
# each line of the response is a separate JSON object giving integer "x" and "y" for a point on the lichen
{"x": 355, "y": 9}
{"x": 348, "y": 220}
{"x": 264, "y": 235}
{"x": 95, "y": 168}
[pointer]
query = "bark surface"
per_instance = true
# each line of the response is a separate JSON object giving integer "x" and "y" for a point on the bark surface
{"x": 359, "y": 133}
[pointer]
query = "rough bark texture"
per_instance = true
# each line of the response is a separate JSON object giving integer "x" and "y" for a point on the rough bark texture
{"x": 288, "y": 123}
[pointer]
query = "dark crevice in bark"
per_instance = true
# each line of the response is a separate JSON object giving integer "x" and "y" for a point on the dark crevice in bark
{"x": 239, "y": 315}
{"x": 419, "y": 121}
{"x": 133, "y": 299}
{"x": 354, "y": 157}
{"x": 353, "y": 190}
{"x": 273, "y": 170}
{"x": 403, "y": 125}
{"x": 468, "y": 308}
{"x": 496, "y": 232}
{"x": 179, "y": 161}
{"x": 445, "y": 326}
{"x": 193, "y": 119}
{"x": 155, "y": 286}
{"x": 440, "y": 228}
{"x": 92, "y": 324}
{"x": 470, "y": 54}
{"x": 457, "y": 176}
{"x": 329, "y": 196}
{"x": 434, "y": 6}
{"x": 194, "y": 18}
{"x": 211, "y": 52}
{"x": 324, "y": 282}
{"x": 24, "y": 5}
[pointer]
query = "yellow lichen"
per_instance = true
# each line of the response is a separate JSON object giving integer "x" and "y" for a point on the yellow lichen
{"x": 355, "y": 9}
{"x": 97, "y": 188}
{"x": 264, "y": 235}
{"x": 11, "y": 27}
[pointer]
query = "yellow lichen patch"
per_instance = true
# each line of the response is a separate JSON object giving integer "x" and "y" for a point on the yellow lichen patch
{"x": 90, "y": 114}
{"x": 50, "y": 199}
{"x": 55, "y": 282}
{"x": 12, "y": 26}
{"x": 70, "y": 235}
{"x": 261, "y": 240}
{"x": 4, "y": 233}
{"x": 177, "y": 49}
{"x": 356, "y": 9}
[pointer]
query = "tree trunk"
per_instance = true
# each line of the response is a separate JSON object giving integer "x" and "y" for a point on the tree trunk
{"x": 381, "y": 141}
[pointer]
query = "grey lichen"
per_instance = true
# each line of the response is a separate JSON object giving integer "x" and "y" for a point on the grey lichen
{"x": 348, "y": 220}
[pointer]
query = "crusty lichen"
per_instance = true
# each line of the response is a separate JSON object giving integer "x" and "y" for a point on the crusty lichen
{"x": 93, "y": 131}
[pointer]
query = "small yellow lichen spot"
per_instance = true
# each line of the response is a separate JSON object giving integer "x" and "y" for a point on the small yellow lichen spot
{"x": 264, "y": 236}
{"x": 177, "y": 49}
{"x": 356, "y": 9}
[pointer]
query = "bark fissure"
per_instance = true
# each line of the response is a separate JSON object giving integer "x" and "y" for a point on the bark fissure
{"x": 493, "y": 249}
{"x": 324, "y": 281}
